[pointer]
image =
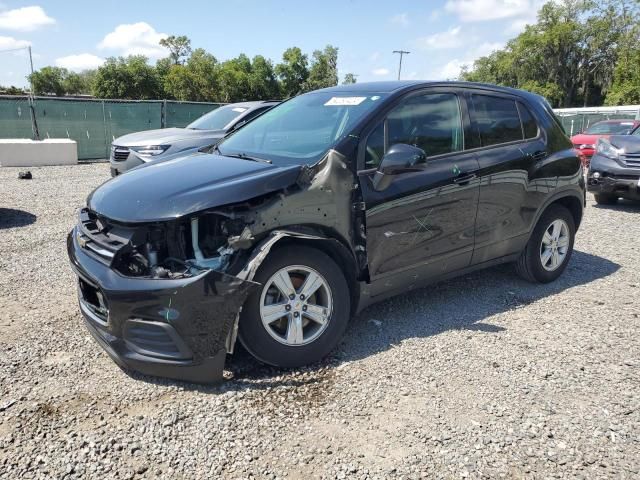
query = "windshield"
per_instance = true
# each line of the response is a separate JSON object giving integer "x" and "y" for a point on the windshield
{"x": 217, "y": 119}
{"x": 612, "y": 128}
{"x": 302, "y": 129}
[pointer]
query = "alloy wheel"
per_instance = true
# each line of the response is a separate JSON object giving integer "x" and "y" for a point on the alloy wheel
{"x": 296, "y": 305}
{"x": 555, "y": 245}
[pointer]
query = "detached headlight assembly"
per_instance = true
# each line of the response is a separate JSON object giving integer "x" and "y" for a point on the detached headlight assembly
{"x": 605, "y": 149}
{"x": 150, "y": 150}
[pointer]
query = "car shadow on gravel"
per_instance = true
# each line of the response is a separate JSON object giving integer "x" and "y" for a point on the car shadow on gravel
{"x": 627, "y": 206}
{"x": 463, "y": 303}
{"x": 11, "y": 218}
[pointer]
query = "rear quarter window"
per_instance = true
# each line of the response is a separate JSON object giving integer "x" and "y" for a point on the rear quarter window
{"x": 529, "y": 125}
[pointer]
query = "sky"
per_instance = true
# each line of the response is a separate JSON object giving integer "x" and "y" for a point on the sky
{"x": 442, "y": 35}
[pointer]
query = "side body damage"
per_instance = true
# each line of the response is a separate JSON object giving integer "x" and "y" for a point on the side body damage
{"x": 165, "y": 296}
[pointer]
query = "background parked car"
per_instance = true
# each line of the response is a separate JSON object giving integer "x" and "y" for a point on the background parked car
{"x": 135, "y": 149}
{"x": 615, "y": 169}
{"x": 585, "y": 142}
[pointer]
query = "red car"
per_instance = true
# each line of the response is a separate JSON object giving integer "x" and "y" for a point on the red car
{"x": 585, "y": 142}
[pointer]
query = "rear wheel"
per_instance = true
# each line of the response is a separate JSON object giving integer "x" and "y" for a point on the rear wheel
{"x": 605, "y": 199}
{"x": 550, "y": 247}
{"x": 301, "y": 311}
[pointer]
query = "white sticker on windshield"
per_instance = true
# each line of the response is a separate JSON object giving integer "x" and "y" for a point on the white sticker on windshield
{"x": 626, "y": 123}
{"x": 238, "y": 109}
{"x": 345, "y": 101}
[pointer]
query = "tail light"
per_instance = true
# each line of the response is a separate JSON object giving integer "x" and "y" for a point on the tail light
{"x": 583, "y": 158}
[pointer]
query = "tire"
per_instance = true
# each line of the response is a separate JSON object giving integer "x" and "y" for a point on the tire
{"x": 280, "y": 343}
{"x": 530, "y": 265}
{"x": 605, "y": 199}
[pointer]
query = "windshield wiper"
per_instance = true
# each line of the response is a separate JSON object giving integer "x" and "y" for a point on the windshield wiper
{"x": 243, "y": 156}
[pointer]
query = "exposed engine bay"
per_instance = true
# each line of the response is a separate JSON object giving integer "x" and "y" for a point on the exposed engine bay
{"x": 221, "y": 238}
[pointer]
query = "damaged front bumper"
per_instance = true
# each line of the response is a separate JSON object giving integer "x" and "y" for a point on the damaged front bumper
{"x": 627, "y": 186}
{"x": 174, "y": 328}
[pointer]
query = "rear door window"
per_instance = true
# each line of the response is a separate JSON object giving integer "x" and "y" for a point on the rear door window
{"x": 497, "y": 119}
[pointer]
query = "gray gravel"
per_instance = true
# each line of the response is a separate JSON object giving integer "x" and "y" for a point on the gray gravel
{"x": 484, "y": 376}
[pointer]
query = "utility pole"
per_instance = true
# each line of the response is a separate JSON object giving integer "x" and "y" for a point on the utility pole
{"x": 34, "y": 122}
{"x": 401, "y": 52}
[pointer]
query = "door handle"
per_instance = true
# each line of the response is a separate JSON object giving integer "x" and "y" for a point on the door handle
{"x": 464, "y": 178}
{"x": 537, "y": 156}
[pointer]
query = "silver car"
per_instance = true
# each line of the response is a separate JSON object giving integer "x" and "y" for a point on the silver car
{"x": 140, "y": 148}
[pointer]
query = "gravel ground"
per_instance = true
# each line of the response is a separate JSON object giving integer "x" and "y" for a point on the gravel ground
{"x": 484, "y": 376}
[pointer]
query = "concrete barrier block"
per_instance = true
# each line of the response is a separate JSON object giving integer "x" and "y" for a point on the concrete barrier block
{"x": 31, "y": 153}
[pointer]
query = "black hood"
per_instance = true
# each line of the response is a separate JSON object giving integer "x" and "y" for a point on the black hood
{"x": 629, "y": 143}
{"x": 186, "y": 185}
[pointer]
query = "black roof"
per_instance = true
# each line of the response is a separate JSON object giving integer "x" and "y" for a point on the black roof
{"x": 402, "y": 85}
{"x": 253, "y": 104}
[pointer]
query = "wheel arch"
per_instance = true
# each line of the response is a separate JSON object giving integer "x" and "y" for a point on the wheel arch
{"x": 335, "y": 250}
{"x": 329, "y": 243}
{"x": 573, "y": 204}
{"x": 570, "y": 199}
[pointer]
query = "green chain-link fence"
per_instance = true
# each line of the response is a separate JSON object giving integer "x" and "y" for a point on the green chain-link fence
{"x": 93, "y": 124}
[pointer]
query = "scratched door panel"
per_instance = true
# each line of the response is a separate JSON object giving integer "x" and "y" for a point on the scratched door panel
{"x": 424, "y": 220}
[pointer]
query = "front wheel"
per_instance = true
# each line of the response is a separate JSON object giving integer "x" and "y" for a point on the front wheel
{"x": 300, "y": 313}
{"x": 550, "y": 247}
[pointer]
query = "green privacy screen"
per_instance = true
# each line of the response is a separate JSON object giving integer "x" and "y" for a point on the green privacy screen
{"x": 94, "y": 124}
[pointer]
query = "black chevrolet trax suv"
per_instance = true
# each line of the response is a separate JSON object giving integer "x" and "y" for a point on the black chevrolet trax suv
{"x": 326, "y": 203}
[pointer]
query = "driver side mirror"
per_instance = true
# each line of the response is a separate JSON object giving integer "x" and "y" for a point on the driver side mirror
{"x": 399, "y": 158}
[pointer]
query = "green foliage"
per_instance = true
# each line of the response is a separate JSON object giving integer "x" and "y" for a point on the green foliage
{"x": 196, "y": 75}
{"x": 292, "y": 72}
{"x": 349, "y": 79}
{"x": 128, "y": 78}
{"x": 12, "y": 90}
{"x": 569, "y": 55}
{"x": 59, "y": 81}
{"x": 625, "y": 85}
{"x": 179, "y": 47}
{"x": 625, "y": 89}
{"x": 324, "y": 69}
{"x": 263, "y": 83}
{"x": 49, "y": 81}
{"x": 234, "y": 80}
{"x": 197, "y": 80}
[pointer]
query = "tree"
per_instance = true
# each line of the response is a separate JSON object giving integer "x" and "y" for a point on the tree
{"x": 130, "y": 78}
{"x": 569, "y": 55}
{"x": 49, "y": 81}
{"x": 12, "y": 90}
{"x": 292, "y": 72}
{"x": 263, "y": 83}
{"x": 197, "y": 80}
{"x": 179, "y": 47}
{"x": 625, "y": 88}
{"x": 79, "y": 83}
{"x": 324, "y": 69}
{"x": 233, "y": 78}
{"x": 349, "y": 79}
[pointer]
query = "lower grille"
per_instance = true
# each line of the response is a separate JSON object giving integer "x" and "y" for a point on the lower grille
{"x": 119, "y": 153}
{"x": 93, "y": 300}
{"x": 155, "y": 339}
